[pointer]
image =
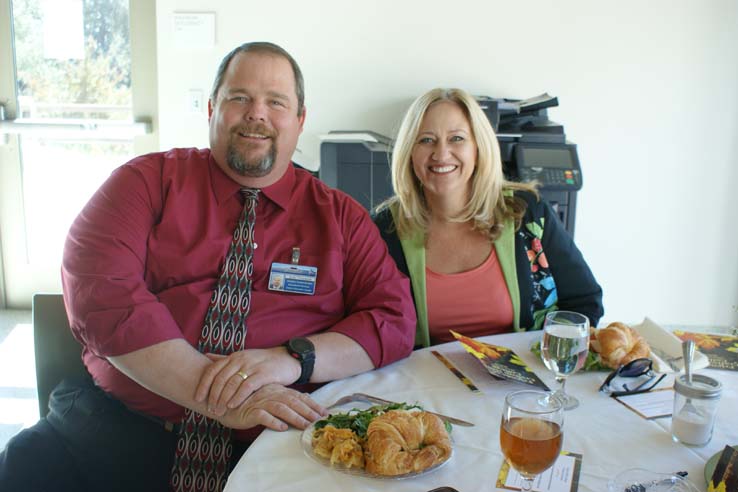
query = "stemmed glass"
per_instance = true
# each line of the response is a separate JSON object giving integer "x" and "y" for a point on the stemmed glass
{"x": 531, "y": 433}
{"x": 564, "y": 349}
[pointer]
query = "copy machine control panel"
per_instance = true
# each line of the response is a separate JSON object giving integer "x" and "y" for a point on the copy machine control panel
{"x": 554, "y": 166}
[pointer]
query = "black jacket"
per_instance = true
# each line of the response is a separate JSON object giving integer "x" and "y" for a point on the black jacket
{"x": 543, "y": 268}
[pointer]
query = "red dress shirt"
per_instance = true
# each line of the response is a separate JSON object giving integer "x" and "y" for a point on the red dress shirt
{"x": 144, "y": 255}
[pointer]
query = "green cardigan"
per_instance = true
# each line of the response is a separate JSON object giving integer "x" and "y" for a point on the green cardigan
{"x": 557, "y": 277}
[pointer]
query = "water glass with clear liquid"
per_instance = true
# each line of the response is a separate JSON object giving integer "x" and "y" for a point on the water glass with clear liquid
{"x": 564, "y": 349}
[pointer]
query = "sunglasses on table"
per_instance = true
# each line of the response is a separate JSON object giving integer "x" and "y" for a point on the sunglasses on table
{"x": 633, "y": 369}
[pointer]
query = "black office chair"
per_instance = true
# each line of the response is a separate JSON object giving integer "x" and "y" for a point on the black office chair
{"x": 58, "y": 354}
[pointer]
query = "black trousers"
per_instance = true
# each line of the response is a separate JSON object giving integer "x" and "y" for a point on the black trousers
{"x": 90, "y": 442}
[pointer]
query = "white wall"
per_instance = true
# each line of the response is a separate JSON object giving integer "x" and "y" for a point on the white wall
{"x": 646, "y": 89}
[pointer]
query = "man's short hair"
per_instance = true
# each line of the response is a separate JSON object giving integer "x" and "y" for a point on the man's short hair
{"x": 262, "y": 47}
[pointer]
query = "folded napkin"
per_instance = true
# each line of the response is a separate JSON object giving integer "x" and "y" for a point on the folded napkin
{"x": 666, "y": 348}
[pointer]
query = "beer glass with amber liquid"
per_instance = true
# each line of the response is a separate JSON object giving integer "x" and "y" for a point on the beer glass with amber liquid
{"x": 531, "y": 433}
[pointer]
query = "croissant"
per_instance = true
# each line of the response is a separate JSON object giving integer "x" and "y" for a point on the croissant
{"x": 401, "y": 442}
{"x": 619, "y": 344}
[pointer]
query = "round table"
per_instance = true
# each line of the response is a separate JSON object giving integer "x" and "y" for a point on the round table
{"x": 610, "y": 437}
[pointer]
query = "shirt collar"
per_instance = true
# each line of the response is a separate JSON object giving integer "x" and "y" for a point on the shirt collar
{"x": 281, "y": 191}
{"x": 224, "y": 187}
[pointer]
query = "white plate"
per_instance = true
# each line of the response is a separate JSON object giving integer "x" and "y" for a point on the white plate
{"x": 306, "y": 441}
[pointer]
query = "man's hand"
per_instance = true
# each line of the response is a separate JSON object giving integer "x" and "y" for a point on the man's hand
{"x": 274, "y": 407}
{"x": 177, "y": 371}
{"x": 231, "y": 379}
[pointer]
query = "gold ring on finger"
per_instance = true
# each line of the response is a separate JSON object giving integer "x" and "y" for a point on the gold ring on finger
{"x": 243, "y": 375}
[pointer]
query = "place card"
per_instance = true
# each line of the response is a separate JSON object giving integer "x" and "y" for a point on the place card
{"x": 651, "y": 405}
{"x": 563, "y": 476}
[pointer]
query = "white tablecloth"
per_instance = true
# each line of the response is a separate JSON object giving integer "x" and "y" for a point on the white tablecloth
{"x": 610, "y": 437}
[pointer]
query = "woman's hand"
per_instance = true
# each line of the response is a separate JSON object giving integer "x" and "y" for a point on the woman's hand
{"x": 231, "y": 379}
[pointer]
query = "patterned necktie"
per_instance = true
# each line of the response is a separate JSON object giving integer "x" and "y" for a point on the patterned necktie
{"x": 204, "y": 445}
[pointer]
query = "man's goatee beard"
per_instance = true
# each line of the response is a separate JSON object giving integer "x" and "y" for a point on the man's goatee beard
{"x": 255, "y": 169}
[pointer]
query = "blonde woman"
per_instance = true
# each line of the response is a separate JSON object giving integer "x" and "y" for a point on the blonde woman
{"x": 484, "y": 255}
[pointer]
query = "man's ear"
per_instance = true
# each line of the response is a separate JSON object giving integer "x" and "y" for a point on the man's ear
{"x": 210, "y": 109}
{"x": 302, "y": 118}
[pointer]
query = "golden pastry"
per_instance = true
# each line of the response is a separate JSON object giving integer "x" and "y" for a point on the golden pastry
{"x": 401, "y": 442}
{"x": 619, "y": 344}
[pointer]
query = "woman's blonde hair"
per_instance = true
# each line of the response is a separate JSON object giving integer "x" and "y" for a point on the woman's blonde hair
{"x": 488, "y": 205}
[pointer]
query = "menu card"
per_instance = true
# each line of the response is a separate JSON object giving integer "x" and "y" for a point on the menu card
{"x": 563, "y": 476}
{"x": 721, "y": 350}
{"x": 500, "y": 362}
{"x": 651, "y": 405}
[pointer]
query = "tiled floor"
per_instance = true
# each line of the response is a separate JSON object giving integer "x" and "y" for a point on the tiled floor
{"x": 18, "y": 402}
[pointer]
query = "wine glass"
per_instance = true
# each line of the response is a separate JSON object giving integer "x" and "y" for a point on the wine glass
{"x": 564, "y": 349}
{"x": 531, "y": 433}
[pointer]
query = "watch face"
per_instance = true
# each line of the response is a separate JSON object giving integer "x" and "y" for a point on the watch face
{"x": 302, "y": 345}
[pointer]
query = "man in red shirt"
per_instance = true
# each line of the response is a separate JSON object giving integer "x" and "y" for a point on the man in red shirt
{"x": 140, "y": 267}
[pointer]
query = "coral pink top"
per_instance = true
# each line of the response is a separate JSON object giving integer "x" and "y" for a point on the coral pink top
{"x": 474, "y": 303}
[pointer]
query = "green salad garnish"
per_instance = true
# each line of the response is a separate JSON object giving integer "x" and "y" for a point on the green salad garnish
{"x": 358, "y": 420}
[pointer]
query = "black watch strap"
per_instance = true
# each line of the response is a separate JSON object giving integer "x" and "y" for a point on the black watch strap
{"x": 303, "y": 350}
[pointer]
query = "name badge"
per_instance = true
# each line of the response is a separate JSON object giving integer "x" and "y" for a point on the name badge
{"x": 296, "y": 279}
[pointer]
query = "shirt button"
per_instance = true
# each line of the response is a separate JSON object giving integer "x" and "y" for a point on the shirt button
{"x": 256, "y": 245}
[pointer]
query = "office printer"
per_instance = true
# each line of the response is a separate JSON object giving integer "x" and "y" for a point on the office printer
{"x": 358, "y": 163}
{"x": 532, "y": 147}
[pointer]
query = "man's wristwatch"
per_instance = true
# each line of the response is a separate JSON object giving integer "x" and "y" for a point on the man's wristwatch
{"x": 303, "y": 350}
